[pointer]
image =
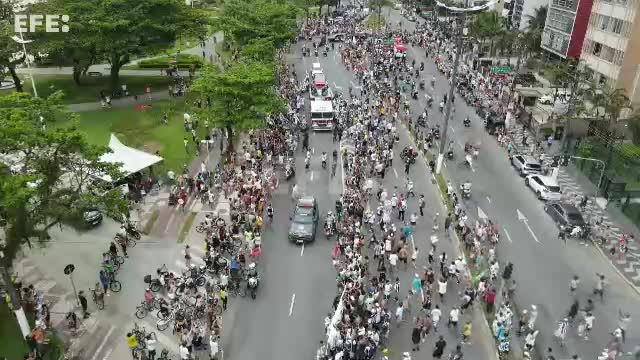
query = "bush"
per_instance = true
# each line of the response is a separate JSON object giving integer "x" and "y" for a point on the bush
{"x": 182, "y": 61}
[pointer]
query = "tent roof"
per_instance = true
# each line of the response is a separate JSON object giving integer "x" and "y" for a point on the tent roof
{"x": 131, "y": 160}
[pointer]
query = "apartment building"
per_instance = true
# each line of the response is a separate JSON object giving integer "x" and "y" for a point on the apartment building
{"x": 515, "y": 12}
{"x": 611, "y": 48}
{"x": 565, "y": 28}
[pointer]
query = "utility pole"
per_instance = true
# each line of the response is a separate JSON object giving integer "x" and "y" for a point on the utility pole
{"x": 454, "y": 74}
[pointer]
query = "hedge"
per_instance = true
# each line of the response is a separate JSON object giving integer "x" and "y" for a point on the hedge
{"x": 183, "y": 61}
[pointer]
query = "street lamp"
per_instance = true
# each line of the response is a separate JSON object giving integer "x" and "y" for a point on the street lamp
{"x": 454, "y": 72}
{"x": 21, "y": 40}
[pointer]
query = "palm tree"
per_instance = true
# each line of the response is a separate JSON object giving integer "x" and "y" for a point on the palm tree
{"x": 538, "y": 19}
{"x": 634, "y": 126}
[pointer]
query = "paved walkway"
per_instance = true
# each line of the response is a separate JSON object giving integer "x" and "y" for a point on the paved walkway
{"x": 574, "y": 183}
{"x": 129, "y": 101}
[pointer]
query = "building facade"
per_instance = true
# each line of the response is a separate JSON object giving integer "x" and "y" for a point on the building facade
{"x": 516, "y": 12}
{"x": 611, "y": 49}
{"x": 565, "y": 28}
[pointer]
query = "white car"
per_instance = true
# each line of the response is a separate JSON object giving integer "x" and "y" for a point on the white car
{"x": 546, "y": 100}
{"x": 545, "y": 187}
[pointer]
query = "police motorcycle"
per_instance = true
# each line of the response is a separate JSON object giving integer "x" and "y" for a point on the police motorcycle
{"x": 253, "y": 280}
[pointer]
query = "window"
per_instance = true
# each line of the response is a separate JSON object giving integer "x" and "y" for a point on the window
{"x": 604, "y": 22}
{"x": 618, "y": 57}
{"x": 597, "y": 49}
{"x": 567, "y": 4}
{"x": 560, "y": 20}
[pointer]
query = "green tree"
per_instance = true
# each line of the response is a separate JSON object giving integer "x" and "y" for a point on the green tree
{"x": 245, "y": 20}
{"x": 378, "y": 5}
{"x": 634, "y": 127}
{"x": 488, "y": 26}
{"x": 46, "y": 171}
{"x": 241, "y": 95}
{"x": 120, "y": 30}
{"x": 538, "y": 19}
{"x": 11, "y": 54}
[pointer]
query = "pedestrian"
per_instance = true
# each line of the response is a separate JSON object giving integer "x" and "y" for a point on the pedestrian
{"x": 431, "y": 254}
{"x": 186, "y": 144}
{"x": 104, "y": 281}
{"x": 187, "y": 256}
{"x": 83, "y": 304}
{"x": 439, "y": 348}
{"x": 223, "y": 298}
{"x": 454, "y": 317}
{"x": 151, "y": 346}
{"x": 436, "y": 314}
{"x": 415, "y": 338}
{"x": 414, "y": 257}
{"x": 442, "y": 288}
{"x": 573, "y": 310}
{"x": 624, "y": 320}
{"x": 466, "y": 332}
{"x": 549, "y": 141}
{"x": 599, "y": 287}
{"x": 588, "y": 324}
{"x": 393, "y": 261}
{"x": 400, "y": 313}
{"x": 214, "y": 347}
{"x": 447, "y": 222}
{"x": 561, "y": 331}
{"x": 573, "y": 284}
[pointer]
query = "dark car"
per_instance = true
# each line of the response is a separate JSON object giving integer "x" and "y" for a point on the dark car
{"x": 336, "y": 37}
{"x": 565, "y": 215}
{"x": 91, "y": 217}
{"x": 304, "y": 221}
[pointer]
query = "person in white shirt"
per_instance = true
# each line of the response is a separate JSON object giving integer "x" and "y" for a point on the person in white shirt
{"x": 151, "y": 347}
{"x": 399, "y": 314}
{"x": 393, "y": 261}
{"x": 214, "y": 347}
{"x": 436, "y": 314}
{"x": 454, "y": 317}
{"x": 184, "y": 352}
{"x": 442, "y": 288}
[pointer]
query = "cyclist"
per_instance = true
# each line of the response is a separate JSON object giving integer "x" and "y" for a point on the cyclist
{"x": 324, "y": 159}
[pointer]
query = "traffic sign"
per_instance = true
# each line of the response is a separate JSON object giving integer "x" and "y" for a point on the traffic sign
{"x": 69, "y": 269}
{"x": 501, "y": 70}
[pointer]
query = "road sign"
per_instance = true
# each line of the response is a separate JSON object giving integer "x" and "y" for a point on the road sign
{"x": 69, "y": 269}
{"x": 501, "y": 70}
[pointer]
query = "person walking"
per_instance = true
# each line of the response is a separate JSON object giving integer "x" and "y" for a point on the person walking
{"x": 83, "y": 304}
{"x": 466, "y": 332}
{"x": 187, "y": 256}
{"x": 415, "y": 338}
{"x": 132, "y": 344}
{"x": 400, "y": 314}
{"x": 447, "y": 222}
{"x": 151, "y": 347}
{"x": 573, "y": 284}
{"x": 421, "y": 204}
{"x": 442, "y": 288}
{"x": 104, "y": 281}
{"x": 438, "y": 349}
{"x": 436, "y": 314}
{"x": 223, "y": 298}
{"x": 454, "y": 317}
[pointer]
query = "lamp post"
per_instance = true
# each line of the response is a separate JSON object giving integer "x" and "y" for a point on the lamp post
{"x": 454, "y": 72}
{"x": 23, "y": 42}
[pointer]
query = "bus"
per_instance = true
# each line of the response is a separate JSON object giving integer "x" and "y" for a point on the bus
{"x": 321, "y": 115}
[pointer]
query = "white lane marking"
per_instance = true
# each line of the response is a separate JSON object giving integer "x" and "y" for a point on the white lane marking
{"x": 452, "y": 129}
{"x": 312, "y": 176}
{"x": 472, "y": 169}
{"x": 508, "y": 236}
{"x": 395, "y": 172}
{"x": 313, "y": 150}
{"x": 524, "y": 219}
{"x": 173, "y": 215}
{"x": 302, "y": 250}
{"x": 293, "y": 300}
{"x": 104, "y": 341}
{"x": 489, "y": 199}
{"x": 461, "y": 146}
{"x": 444, "y": 163}
{"x": 106, "y": 356}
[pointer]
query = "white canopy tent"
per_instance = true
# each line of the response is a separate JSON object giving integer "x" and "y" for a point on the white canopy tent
{"x": 131, "y": 160}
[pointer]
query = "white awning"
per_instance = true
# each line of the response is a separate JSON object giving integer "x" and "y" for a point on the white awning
{"x": 131, "y": 160}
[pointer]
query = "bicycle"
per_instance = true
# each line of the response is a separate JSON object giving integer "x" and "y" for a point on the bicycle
{"x": 143, "y": 309}
{"x": 114, "y": 285}
{"x": 236, "y": 288}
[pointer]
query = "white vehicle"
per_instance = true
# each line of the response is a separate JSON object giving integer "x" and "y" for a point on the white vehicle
{"x": 321, "y": 115}
{"x": 546, "y": 100}
{"x": 545, "y": 187}
{"x": 320, "y": 93}
{"x": 316, "y": 69}
{"x": 397, "y": 6}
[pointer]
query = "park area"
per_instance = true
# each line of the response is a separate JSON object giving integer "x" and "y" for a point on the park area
{"x": 90, "y": 89}
{"x": 144, "y": 130}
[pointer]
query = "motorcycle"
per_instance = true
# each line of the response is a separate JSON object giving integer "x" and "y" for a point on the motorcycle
{"x": 329, "y": 228}
{"x": 467, "y": 122}
{"x": 450, "y": 154}
{"x": 289, "y": 171}
{"x": 466, "y": 190}
{"x": 429, "y": 101}
{"x": 415, "y": 94}
{"x": 324, "y": 53}
{"x": 252, "y": 285}
{"x": 157, "y": 284}
{"x": 441, "y": 106}
{"x": 422, "y": 85}
{"x": 315, "y": 52}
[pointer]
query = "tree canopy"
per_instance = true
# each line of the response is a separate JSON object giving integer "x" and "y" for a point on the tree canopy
{"x": 11, "y": 54}
{"x": 46, "y": 171}
{"x": 116, "y": 31}
{"x": 245, "y": 21}
{"x": 241, "y": 96}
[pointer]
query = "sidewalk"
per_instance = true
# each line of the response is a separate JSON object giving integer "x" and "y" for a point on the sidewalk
{"x": 575, "y": 184}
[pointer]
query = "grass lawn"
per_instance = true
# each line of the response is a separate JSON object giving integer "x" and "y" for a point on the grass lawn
{"x": 143, "y": 130}
{"x": 90, "y": 89}
{"x": 12, "y": 345}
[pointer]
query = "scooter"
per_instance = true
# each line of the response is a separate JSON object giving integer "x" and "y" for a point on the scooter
{"x": 466, "y": 191}
{"x": 324, "y": 53}
{"x": 315, "y": 52}
{"x": 467, "y": 122}
{"x": 289, "y": 171}
{"x": 415, "y": 94}
{"x": 253, "y": 284}
{"x": 450, "y": 154}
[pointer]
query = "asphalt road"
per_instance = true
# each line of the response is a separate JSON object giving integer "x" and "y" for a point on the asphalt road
{"x": 544, "y": 265}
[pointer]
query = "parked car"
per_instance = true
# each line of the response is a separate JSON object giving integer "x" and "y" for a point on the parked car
{"x": 565, "y": 215}
{"x": 545, "y": 187}
{"x": 546, "y": 100}
{"x": 526, "y": 164}
{"x": 304, "y": 221}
